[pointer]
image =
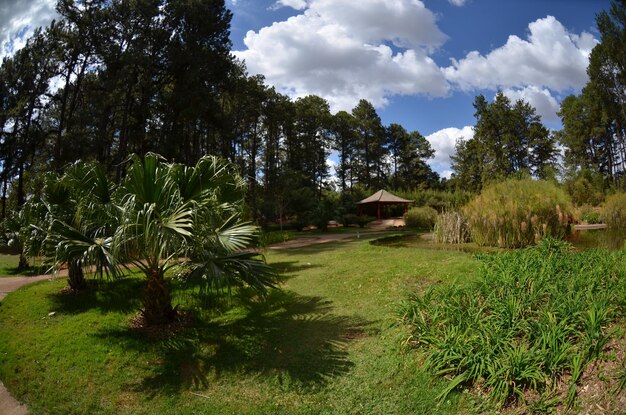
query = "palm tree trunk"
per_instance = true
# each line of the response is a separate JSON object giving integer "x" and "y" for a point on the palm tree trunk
{"x": 76, "y": 277}
{"x": 157, "y": 300}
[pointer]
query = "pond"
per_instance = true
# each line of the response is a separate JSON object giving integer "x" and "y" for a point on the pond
{"x": 580, "y": 239}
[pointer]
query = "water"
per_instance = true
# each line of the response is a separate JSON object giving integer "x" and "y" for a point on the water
{"x": 580, "y": 239}
{"x": 597, "y": 238}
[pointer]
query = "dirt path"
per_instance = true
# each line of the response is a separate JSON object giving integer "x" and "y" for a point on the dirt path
{"x": 322, "y": 239}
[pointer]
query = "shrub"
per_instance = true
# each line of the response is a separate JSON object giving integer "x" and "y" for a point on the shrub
{"x": 451, "y": 228}
{"x": 269, "y": 238}
{"x": 420, "y": 218}
{"x": 590, "y": 215}
{"x": 615, "y": 211}
{"x": 363, "y": 220}
{"x": 517, "y": 213}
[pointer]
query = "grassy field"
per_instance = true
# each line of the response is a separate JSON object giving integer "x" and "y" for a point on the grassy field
{"x": 9, "y": 263}
{"x": 325, "y": 343}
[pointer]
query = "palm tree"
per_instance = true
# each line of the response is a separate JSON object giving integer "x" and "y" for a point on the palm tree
{"x": 174, "y": 214}
{"x": 81, "y": 218}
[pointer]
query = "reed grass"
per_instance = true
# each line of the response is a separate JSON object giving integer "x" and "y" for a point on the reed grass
{"x": 517, "y": 213}
{"x": 534, "y": 319}
{"x": 615, "y": 211}
{"x": 451, "y": 228}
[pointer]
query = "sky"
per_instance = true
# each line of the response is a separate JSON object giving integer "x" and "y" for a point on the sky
{"x": 421, "y": 63}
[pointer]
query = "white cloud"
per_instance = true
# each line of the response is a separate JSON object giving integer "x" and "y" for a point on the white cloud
{"x": 294, "y": 4}
{"x": 18, "y": 21}
{"x": 341, "y": 51}
{"x": 458, "y": 3}
{"x": 443, "y": 142}
{"x": 546, "y": 105}
{"x": 551, "y": 58}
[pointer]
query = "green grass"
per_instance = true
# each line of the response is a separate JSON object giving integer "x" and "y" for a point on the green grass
{"x": 9, "y": 264}
{"x": 327, "y": 342}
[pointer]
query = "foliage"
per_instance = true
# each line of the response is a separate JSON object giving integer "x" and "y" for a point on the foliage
{"x": 534, "y": 318}
{"x": 270, "y": 238}
{"x": 360, "y": 220}
{"x": 508, "y": 139}
{"x": 517, "y": 213}
{"x": 589, "y": 214}
{"x": 615, "y": 211}
{"x": 451, "y": 228}
{"x": 162, "y": 215}
{"x": 593, "y": 132}
{"x": 420, "y": 218}
{"x": 585, "y": 188}
{"x": 440, "y": 200}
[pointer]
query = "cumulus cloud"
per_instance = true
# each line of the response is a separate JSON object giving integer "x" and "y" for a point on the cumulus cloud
{"x": 443, "y": 142}
{"x": 458, "y": 3}
{"x": 541, "y": 99}
{"x": 551, "y": 57}
{"x": 19, "y": 19}
{"x": 342, "y": 50}
{"x": 294, "y": 4}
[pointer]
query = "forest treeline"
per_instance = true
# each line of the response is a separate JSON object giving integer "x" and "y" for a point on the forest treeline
{"x": 108, "y": 79}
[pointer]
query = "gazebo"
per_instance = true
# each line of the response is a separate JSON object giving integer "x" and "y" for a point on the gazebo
{"x": 383, "y": 197}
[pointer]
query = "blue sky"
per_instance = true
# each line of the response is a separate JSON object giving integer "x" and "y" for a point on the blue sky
{"x": 420, "y": 62}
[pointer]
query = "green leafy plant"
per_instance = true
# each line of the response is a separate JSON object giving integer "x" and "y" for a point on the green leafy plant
{"x": 533, "y": 317}
{"x": 420, "y": 218}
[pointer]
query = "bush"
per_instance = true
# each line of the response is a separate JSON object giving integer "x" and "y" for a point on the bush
{"x": 269, "y": 238}
{"x": 420, "y": 218}
{"x": 615, "y": 211}
{"x": 590, "y": 215}
{"x": 451, "y": 228}
{"x": 535, "y": 318}
{"x": 517, "y": 213}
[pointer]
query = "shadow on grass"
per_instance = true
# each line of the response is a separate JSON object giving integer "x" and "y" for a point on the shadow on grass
{"x": 31, "y": 271}
{"x": 291, "y": 267}
{"x": 290, "y": 339}
{"x": 121, "y": 295}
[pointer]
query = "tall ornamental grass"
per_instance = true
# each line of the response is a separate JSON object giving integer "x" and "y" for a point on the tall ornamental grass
{"x": 517, "y": 213}
{"x": 615, "y": 211}
{"x": 528, "y": 328}
{"x": 451, "y": 228}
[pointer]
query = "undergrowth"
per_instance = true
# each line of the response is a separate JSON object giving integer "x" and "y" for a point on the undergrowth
{"x": 526, "y": 330}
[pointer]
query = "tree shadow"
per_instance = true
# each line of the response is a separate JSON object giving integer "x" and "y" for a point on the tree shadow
{"x": 31, "y": 271}
{"x": 291, "y": 267}
{"x": 293, "y": 340}
{"x": 120, "y": 295}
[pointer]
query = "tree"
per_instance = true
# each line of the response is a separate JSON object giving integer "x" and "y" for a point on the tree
{"x": 171, "y": 211}
{"x": 594, "y": 133}
{"x": 82, "y": 218}
{"x": 345, "y": 142}
{"x": 508, "y": 139}
{"x": 370, "y": 160}
{"x": 409, "y": 152}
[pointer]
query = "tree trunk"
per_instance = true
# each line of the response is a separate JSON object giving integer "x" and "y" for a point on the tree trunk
{"x": 157, "y": 300}
{"x": 76, "y": 277}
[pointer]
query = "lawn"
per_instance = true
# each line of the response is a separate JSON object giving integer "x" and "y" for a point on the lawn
{"x": 326, "y": 342}
{"x": 9, "y": 264}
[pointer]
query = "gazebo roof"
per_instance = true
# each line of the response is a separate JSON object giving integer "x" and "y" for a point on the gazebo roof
{"x": 383, "y": 196}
